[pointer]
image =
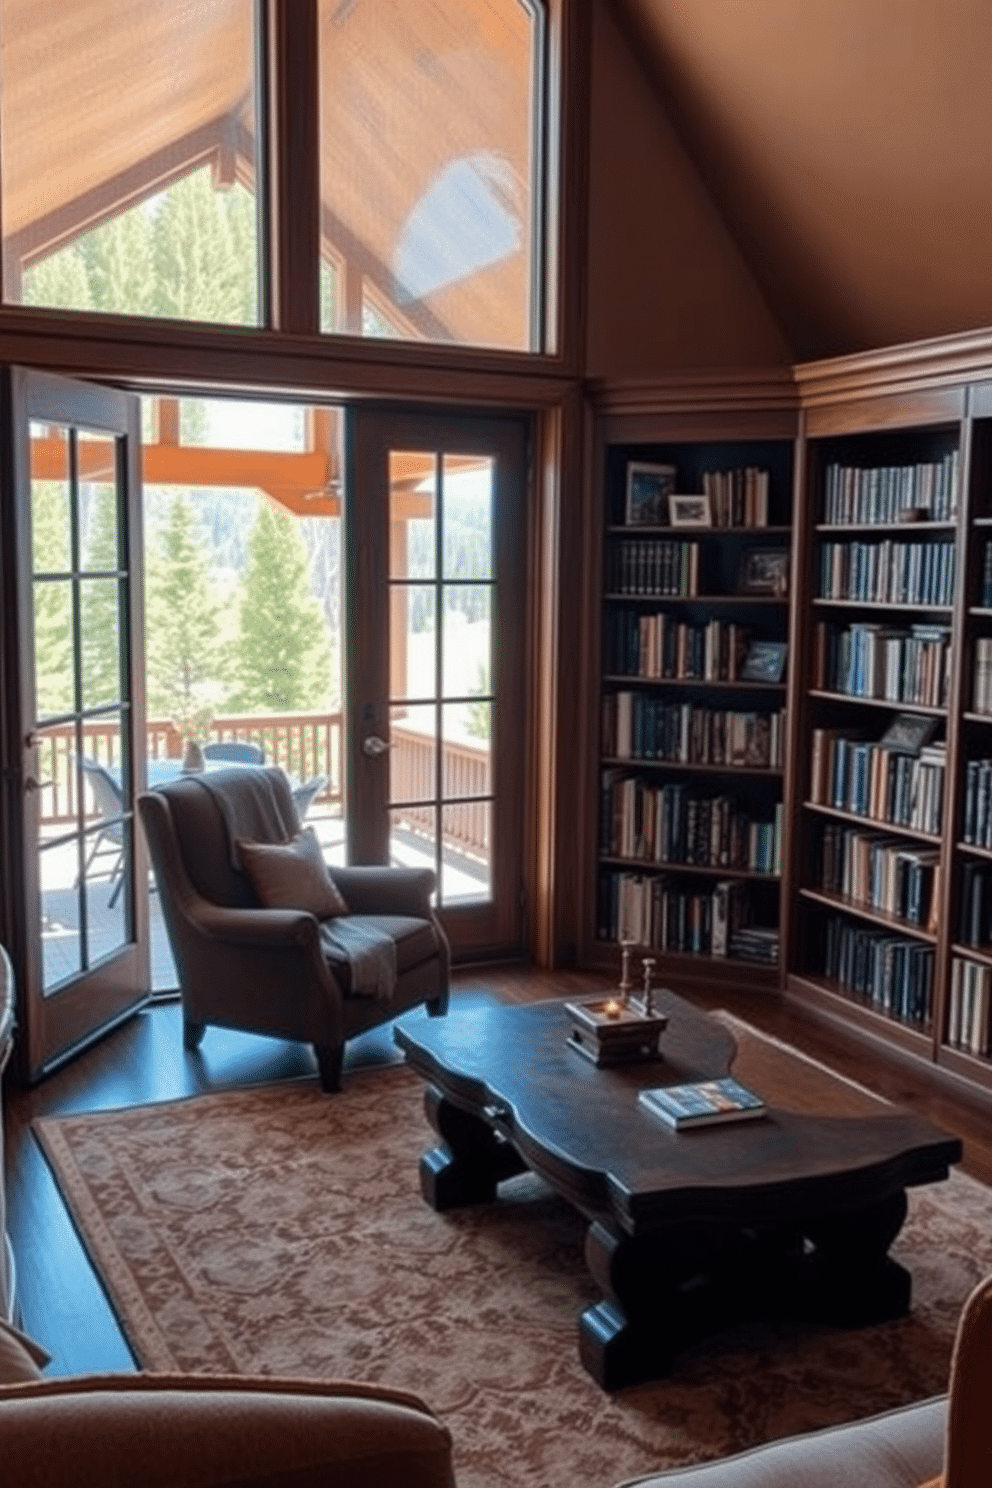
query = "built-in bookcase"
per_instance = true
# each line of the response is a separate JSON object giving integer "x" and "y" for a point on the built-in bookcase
{"x": 892, "y": 889}
{"x": 869, "y": 822}
{"x": 693, "y": 719}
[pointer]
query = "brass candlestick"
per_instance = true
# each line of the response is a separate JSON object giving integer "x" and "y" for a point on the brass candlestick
{"x": 648, "y": 967}
{"x": 626, "y": 946}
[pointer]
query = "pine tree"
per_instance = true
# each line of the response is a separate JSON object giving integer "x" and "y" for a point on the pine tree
{"x": 282, "y": 655}
{"x": 182, "y": 628}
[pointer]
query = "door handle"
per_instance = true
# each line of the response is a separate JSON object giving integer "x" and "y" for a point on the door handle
{"x": 373, "y": 746}
{"x": 31, "y": 784}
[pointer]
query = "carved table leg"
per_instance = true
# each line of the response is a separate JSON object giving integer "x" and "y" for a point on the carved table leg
{"x": 471, "y": 1161}
{"x": 849, "y": 1279}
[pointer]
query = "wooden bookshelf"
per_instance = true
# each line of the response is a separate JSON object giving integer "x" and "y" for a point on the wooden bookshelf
{"x": 692, "y": 754}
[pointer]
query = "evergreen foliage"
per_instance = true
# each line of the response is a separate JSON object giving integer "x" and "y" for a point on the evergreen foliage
{"x": 182, "y": 620}
{"x": 99, "y": 600}
{"x": 281, "y": 657}
{"x": 52, "y": 600}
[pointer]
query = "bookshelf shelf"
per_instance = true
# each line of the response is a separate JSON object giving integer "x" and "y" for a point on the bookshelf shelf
{"x": 644, "y": 865}
{"x": 876, "y": 823}
{"x": 865, "y": 912}
{"x": 883, "y": 605}
{"x": 633, "y": 762}
{"x": 871, "y": 702}
{"x": 904, "y": 529}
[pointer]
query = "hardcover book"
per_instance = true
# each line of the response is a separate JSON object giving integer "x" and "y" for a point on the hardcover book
{"x": 702, "y": 1103}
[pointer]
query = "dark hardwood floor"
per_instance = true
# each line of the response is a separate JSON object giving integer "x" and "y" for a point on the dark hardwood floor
{"x": 62, "y": 1302}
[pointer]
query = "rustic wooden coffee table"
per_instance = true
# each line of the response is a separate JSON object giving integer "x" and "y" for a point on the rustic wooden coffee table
{"x": 788, "y": 1216}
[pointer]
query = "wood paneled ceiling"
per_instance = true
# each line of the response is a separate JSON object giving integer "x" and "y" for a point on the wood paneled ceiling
{"x": 848, "y": 145}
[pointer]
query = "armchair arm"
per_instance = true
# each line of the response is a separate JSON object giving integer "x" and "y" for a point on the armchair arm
{"x": 402, "y": 891}
{"x": 270, "y": 927}
{"x": 175, "y": 1431}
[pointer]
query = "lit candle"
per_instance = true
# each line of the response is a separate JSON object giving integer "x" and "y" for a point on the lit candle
{"x": 612, "y": 1008}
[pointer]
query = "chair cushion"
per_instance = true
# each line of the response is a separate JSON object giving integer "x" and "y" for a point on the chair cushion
{"x": 292, "y": 875}
{"x": 415, "y": 943}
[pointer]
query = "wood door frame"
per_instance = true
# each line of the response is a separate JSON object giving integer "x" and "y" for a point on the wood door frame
{"x": 497, "y": 927}
{"x": 54, "y": 1027}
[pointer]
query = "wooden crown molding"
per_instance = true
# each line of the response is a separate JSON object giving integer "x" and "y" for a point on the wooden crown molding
{"x": 722, "y": 391}
{"x": 912, "y": 367}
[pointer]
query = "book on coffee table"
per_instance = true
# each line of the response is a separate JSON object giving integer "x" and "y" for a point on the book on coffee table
{"x": 703, "y": 1103}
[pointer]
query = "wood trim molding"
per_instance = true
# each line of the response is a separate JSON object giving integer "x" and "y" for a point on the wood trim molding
{"x": 159, "y": 353}
{"x": 915, "y": 366}
{"x": 744, "y": 390}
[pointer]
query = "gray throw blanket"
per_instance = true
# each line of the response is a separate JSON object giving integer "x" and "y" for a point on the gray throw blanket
{"x": 369, "y": 951}
{"x": 252, "y": 811}
{"x": 249, "y": 805}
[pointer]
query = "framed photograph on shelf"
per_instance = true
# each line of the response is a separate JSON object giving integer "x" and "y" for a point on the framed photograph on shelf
{"x": 689, "y": 511}
{"x": 908, "y": 732}
{"x": 764, "y": 662}
{"x": 648, "y": 490}
{"x": 764, "y": 571}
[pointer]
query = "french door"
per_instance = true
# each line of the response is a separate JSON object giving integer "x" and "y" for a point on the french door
{"x": 436, "y": 661}
{"x": 74, "y": 736}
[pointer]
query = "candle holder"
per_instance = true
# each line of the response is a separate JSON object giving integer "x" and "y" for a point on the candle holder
{"x": 616, "y": 1029}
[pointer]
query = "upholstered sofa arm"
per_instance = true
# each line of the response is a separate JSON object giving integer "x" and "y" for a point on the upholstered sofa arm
{"x": 401, "y": 891}
{"x": 969, "y": 1421}
{"x": 164, "y": 1431}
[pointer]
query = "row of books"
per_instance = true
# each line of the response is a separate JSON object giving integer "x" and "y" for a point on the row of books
{"x": 969, "y": 1024}
{"x": 881, "y": 661}
{"x": 870, "y": 779}
{"x": 981, "y": 697}
{"x": 977, "y": 820}
{"x": 892, "y": 493}
{"x": 889, "y": 972}
{"x": 985, "y": 599}
{"x": 888, "y": 572}
{"x": 738, "y": 498}
{"x": 652, "y": 566}
{"x": 639, "y": 726}
{"x": 881, "y": 872}
{"x": 659, "y": 647}
{"x": 658, "y": 912}
{"x": 673, "y": 823}
{"x": 975, "y": 904}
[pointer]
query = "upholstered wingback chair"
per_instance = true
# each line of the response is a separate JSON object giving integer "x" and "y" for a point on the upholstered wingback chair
{"x": 271, "y": 970}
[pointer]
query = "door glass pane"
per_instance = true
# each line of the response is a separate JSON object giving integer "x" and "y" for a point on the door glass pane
{"x": 468, "y": 517}
{"x": 412, "y": 512}
{"x": 53, "y": 647}
{"x": 413, "y": 650}
{"x": 100, "y": 643}
{"x": 466, "y": 862}
{"x": 99, "y": 537}
{"x": 131, "y": 159}
{"x": 427, "y": 123}
{"x": 61, "y": 934}
{"x": 413, "y": 755}
{"x": 51, "y": 523}
{"x": 467, "y": 760}
{"x": 467, "y": 640}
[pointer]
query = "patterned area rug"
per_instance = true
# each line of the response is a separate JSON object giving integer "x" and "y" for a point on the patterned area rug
{"x": 274, "y": 1230}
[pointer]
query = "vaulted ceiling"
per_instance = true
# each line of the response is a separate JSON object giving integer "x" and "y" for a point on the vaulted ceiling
{"x": 848, "y": 146}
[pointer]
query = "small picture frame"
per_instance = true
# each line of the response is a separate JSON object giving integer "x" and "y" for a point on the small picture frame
{"x": 908, "y": 732}
{"x": 689, "y": 511}
{"x": 764, "y": 662}
{"x": 764, "y": 571}
{"x": 648, "y": 490}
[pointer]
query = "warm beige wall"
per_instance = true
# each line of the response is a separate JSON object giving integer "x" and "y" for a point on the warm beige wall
{"x": 667, "y": 286}
{"x": 848, "y": 146}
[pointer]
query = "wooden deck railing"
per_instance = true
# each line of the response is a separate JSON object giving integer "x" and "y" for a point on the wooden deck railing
{"x": 305, "y": 744}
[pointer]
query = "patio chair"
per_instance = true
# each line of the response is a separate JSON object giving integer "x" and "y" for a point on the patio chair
{"x": 110, "y": 838}
{"x": 281, "y": 971}
{"x": 238, "y": 751}
{"x": 304, "y": 795}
